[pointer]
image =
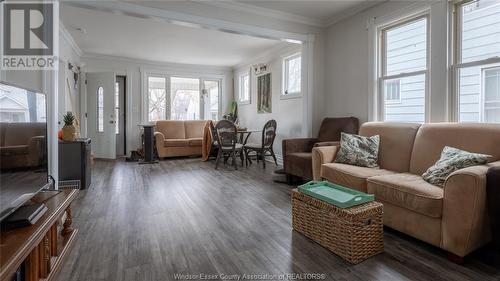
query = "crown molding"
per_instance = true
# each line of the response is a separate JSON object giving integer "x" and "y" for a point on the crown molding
{"x": 157, "y": 63}
{"x": 353, "y": 11}
{"x": 65, "y": 33}
{"x": 260, "y": 11}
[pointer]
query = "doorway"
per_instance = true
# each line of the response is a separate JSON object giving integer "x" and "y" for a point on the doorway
{"x": 120, "y": 109}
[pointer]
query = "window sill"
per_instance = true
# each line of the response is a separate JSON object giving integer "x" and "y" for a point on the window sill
{"x": 244, "y": 102}
{"x": 290, "y": 96}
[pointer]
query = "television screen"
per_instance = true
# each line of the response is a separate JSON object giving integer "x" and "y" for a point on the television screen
{"x": 23, "y": 146}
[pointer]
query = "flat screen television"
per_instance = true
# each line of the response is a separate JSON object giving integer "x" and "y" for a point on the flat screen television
{"x": 23, "y": 146}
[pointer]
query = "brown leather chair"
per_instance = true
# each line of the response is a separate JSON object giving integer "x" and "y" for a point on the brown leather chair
{"x": 297, "y": 157}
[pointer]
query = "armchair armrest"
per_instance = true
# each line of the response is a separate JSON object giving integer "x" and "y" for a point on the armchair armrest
{"x": 327, "y": 143}
{"x": 320, "y": 156}
{"x": 465, "y": 224}
{"x": 298, "y": 145}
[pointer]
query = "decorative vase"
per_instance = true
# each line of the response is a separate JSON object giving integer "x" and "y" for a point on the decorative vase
{"x": 68, "y": 133}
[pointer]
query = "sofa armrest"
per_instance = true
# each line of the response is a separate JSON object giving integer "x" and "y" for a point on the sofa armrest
{"x": 159, "y": 136}
{"x": 320, "y": 156}
{"x": 36, "y": 150}
{"x": 465, "y": 224}
{"x": 298, "y": 145}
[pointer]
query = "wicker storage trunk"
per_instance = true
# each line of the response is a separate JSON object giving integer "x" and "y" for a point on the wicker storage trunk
{"x": 354, "y": 233}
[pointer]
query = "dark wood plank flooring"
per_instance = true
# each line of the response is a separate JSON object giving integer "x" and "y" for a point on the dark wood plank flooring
{"x": 150, "y": 222}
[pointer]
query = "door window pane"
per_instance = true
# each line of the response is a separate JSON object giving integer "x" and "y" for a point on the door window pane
{"x": 100, "y": 109}
{"x": 406, "y": 47}
{"x": 211, "y": 100}
{"x": 185, "y": 98}
{"x": 157, "y": 98}
{"x": 480, "y": 30}
{"x": 411, "y": 105}
{"x": 117, "y": 107}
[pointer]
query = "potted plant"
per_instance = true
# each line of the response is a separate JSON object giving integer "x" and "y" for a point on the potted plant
{"x": 69, "y": 130}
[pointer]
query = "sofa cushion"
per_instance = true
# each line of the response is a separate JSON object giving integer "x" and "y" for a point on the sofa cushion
{"x": 299, "y": 164}
{"x": 194, "y": 128}
{"x": 175, "y": 142}
{"x": 195, "y": 141}
{"x": 171, "y": 129}
{"x": 358, "y": 150}
{"x": 349, "y": 175}
{"x": 408, "y": 191}
{"x": 433, "y": 137}
{"x": 452, "y": 159}
{"x": 396, "y": 143}
{"x": 14, "y": 150}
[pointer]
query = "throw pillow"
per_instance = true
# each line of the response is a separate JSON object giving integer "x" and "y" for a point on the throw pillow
{"x": 358, "y": 150}
{"x": 452, "y": 159}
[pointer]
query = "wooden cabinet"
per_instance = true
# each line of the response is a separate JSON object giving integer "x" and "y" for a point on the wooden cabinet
{"x": 39, "y": 248}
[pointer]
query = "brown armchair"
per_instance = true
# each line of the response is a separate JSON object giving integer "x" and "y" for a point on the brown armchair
{"x": 297, "y": 157}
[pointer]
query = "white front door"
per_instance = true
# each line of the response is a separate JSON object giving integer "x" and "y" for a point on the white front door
{"x": 101, "y": 113}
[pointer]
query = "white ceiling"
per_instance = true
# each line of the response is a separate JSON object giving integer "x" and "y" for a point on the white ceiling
{"x": 323, "y": 10}
{"x": 147, "y": 39}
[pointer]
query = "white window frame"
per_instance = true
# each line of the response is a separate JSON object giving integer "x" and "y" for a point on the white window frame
{"x": 167, "y": 74}
{"x": 284, "y": 91}
{"x": 381, "y": 64}
{"x": 240, "y": 88}
{"x": 457, "y": 64}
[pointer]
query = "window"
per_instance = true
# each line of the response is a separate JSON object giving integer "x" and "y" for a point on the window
{"x": 392, "y": 92}
{"x": 292, "y": 75}
{"x": 117, "y": 107}
{"x": 403, "y": 71}
{"x": 185, "y": 98}
{"x": 100, "y": 109}
{"x": 244, "y": 91}
{"x": 477, "y": 61}
{"x": 157, "y": 98}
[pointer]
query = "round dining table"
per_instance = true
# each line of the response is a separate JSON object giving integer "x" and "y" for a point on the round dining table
{"x": 245, "y": 134}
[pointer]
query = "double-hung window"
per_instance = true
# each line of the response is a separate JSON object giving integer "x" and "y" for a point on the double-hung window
{"x": 403, "y": 71}
{"x": 244, "y": 89}
{"x": 292, "y": 75}
{"x": 477, "y": 61}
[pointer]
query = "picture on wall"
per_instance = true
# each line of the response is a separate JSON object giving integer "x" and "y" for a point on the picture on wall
{"x": 264, "y": 97}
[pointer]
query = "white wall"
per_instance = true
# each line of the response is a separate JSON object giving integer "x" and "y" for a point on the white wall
{"x": 348, "y": 51}
{"x": 288, "y": 113}
{"x": 132, "y": 69}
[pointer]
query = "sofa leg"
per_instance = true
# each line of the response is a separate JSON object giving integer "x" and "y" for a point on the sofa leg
{"x": 456, "y": 259}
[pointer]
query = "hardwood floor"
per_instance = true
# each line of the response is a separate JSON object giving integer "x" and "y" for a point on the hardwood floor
{"x": 150, "y": 222}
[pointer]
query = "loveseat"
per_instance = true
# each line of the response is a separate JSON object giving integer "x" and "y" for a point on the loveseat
{"x": 453, "y": 217}
{"x": 22, "y": 145}
{"x": 179, "y": 138}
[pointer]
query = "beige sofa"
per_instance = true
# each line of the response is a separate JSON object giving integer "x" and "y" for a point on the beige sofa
{"x": 22, "y": 145}
{"x": 179, "y": 138}
{"x": 453, "y": 218}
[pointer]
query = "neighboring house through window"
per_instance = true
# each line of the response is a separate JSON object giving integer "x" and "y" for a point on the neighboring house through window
{"x": 244, "y": 90}
{"x": 402, "y": 80}
{"x": 292, "y": 75}
{"x": 477, "y": 61}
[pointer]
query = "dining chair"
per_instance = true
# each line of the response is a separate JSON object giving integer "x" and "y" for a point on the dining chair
{"x": 227, "y": 142}
{"x": 215, "y": 140}
{"x": 265, "y": 146}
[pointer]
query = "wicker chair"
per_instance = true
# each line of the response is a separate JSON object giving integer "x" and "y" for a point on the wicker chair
{"x": 214, "y": 148}
{"x": 227, "y": 142}
{"x": 266, "y": 145}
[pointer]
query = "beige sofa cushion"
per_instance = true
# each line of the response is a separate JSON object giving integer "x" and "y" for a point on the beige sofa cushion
{"x": 396, "y": 143}
{"x": 171, "y": 129}
{"x": 195, "y": 141}
{"x": 194, "y": 128}
{"x": 408, "y": 191}
{"x": 349, "y": 175}
{"x": 433, "y": 137}
{"x": 175, "y": 142}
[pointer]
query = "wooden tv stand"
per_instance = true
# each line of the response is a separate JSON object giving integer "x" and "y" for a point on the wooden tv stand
{"x": 40, "y": 248}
